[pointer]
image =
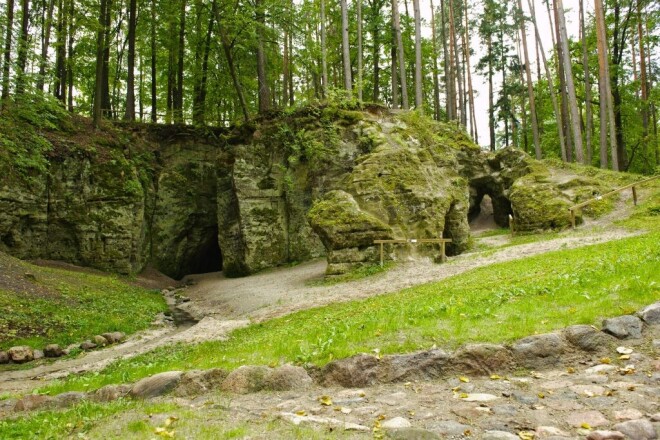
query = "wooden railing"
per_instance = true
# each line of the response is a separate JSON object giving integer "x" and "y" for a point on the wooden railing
{"x": 573, "y": 209}
{"x": 442, "y": 241}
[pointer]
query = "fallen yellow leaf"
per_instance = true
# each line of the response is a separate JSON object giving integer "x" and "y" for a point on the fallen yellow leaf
{"x": 495, "y": 377}
{"x": 605, "y": 360}
{"x": 325, "y": 400}
{"x": 526, "y": 435}
{"x": 464, "y": 379}
{"x": 585, "y": 426}
{"x": 301, "y": 413}
{"x": 464, "y": 395}
{"x": 170, "y": 420}
{"x": 624, "y": 357}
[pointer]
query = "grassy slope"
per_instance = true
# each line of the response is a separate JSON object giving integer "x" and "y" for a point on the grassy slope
{"x": 62, "y": 306}
{"x": 496, "y": 303}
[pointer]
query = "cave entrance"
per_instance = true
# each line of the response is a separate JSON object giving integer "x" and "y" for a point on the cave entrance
{"x": 489, "y": 207}
{"x": 207, "y": 257}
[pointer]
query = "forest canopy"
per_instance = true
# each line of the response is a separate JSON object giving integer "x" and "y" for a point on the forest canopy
{"x": 589, "y": 99}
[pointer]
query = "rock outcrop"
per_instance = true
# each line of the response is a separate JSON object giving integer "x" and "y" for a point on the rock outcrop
{"x": 324, "y": 180}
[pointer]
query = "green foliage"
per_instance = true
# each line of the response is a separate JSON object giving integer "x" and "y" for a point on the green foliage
{"x": 496, "y": 303}
{"x": 67, "y": 307}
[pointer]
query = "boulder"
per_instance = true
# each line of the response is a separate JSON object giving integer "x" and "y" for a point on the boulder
{"x": 651, "y": 314}
{"x": 100, "y": 341}
{"x": 156, "y": 385}
{"x": 66, "y": 400}
{"x": 623, "y": 327}
{"x": 4, "y": 357}
{"x": 246, "y": 379}
{"x": 33, "y": 402}
{"x": 37, "y": 354}
{"x": 87, "y": 345}
{"x": 199, "y": 382}
{"x": 53, "y": 351}
{"x": 482, "y": 359}
{"x": 21, "y": 354}
{"x": 114, "y": 337}
{"x": 354, "y": 372}
{"x": 539, "y": 351}
{"x": 424, "y": 365}
{"x": 637, "y": 429}
{"x": 587, "y": 338}
{"x": 287, "y": 378}
{"x": 109, "y": 393}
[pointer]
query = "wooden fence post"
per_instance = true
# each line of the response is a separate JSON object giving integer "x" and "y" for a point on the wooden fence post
{"x": 511, "y": 226}
{"x": 572, "y": 217}
{"x": 381, "y": 255}
{"x": 634, "y": 191}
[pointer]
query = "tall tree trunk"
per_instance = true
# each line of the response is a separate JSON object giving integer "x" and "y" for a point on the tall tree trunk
{"x": 619, "y": 39}
{"x": 453, "y": 42}
{"x": 290, "y": 78}
{"x": 587, "y": 86}
{"x": 22, "y": 47}
{"x": 199, "y": 106}
{"x": 285, "y": 70}
{"x": 346, "y": 51}
{"x": 644, "y": 89}
{"x": 568, "y": 72}
{"x": 45, "y": 43}
{"x": 97, "y": 111}
{"x": 530, "y": 84}
{"x": 105, "y": 79}
{"x": 567, "y": 154}
{"x": 324, "y": 55}
{"x": 226, "y": 47}
{"x": 401, "y": 61}
{"x": 606, "y": 101}
{"x": 154, "y": 89}
{"x": 375, "y": 37}
{"x": 178, "y": 95}
{"x": 69, "y": 60}
{"x": 60, "y": 53}
{"x": 419, "y": 97}
{"x": 468, "y": 69}
{"x": 393, "y": 69}
{"x": 359, "y": 50}
{"x": 7, "y": 55}
{"x": 491, "y": 93}
{"x": 436, "y": 83}
{"x": 262, "y": 80}
{"x": 130, "y": 80}
{"x": 551, "y": 86}
{"x": 450, "y": 98}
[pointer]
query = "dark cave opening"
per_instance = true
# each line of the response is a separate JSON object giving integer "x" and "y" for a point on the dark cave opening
{"x": 499, "y": 205}
{"x": 208, "y": 256}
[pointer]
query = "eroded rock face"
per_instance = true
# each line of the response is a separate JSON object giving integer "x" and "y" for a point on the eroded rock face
{"x": 192, "y": 201}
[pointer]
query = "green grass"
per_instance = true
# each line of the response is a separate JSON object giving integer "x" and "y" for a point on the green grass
{"x": 355, "y": 274}
{"x": 66, "y": 306}
{"x": 496, "y": 303}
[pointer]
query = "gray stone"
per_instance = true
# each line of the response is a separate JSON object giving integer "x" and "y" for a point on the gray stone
{"x": 156, "y": 385}
{"x": 606, "y": 435}
{"x": 100, "y": 341}
{"x": 482, "y": 359}
{"x": 628, "y": 414}
{"x": 525, "y": 399}
{"x": 504, "y": 410}
{"x": 109, "y": 393}
{"x": 450, "y": 427}
{"x": 88, "y": 345}
{"x": 33, "y": 402}
{"x": 53, "y": 351}
{"x": 539, "y": 351}
{"x": 21, "y": 354}
{"x": 587, "y": 338}
{"x": 354, "y": 372}
{"x": 396, "y": 423}
{"x": 499, "y": 435}
{"x": 37, "y": 354}
{"x": 411, "y": 434}
{"x": 637, "y": 429}
{"x": 66, "y": 400}
{"x": 591, "y": 418}
{"x": 287, "y": 378}
{"x": 197, "y": 382}
{"x": 4, "y": 357}
{"x": 651, "y": 314}
{"x": 423, "y": 365}
{"x": 114, "y": 337}
{"x": 546, "y": 432}
{"x": 245, "y": 379}
{"x": 623, "y": 327}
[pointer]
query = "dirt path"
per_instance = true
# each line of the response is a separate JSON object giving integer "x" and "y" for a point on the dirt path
{"x": 282, "y": 291}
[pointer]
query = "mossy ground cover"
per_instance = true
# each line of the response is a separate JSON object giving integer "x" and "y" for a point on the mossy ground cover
{"x": 43, "y": 305}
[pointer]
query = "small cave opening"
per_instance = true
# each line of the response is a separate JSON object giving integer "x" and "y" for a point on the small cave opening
{"x": 489, "y": 207}
{"x": 207, "y": 257}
